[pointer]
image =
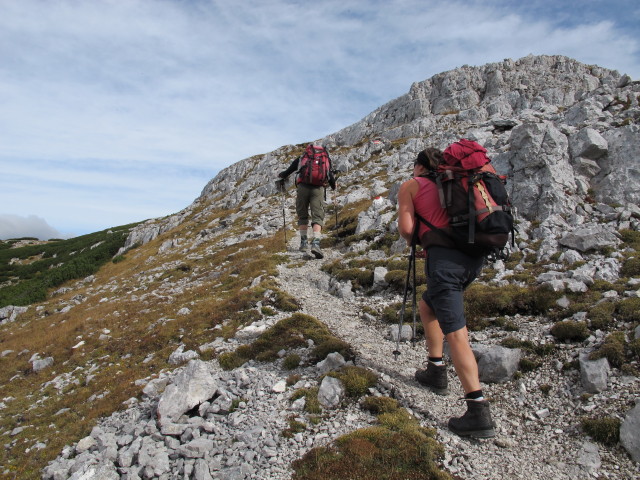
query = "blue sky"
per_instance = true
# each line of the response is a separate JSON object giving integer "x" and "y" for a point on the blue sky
{"x": 115, "y": 111}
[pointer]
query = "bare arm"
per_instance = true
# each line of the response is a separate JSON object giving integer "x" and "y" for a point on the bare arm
{"x": 406, "y": 217}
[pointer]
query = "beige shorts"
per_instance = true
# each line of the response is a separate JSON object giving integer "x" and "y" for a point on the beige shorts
{"x": 310, "y": 197}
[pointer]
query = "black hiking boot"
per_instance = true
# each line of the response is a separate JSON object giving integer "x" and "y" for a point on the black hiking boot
{"x": 315, "y": 248}
{"x": 303, "y": 244}
{"x": 434, "y": 377}
{"x": 476, "y": 422}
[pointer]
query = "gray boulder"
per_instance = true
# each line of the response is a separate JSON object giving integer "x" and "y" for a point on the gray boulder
{"x": 331, "y": 392}
{"x": 588, "y": 143}
{"x": 378, "y": 277}
{"x": 9, "y": 313}
{"x": 589, "y": 457}
{"x": 589, "y": 237}
{"x": 630, "y": 433}
{"x": 192, "y": 386}
{"x": 179, "y": 356}
{"x": 39, "y": 364}
{"x": 405, "y": 334}
{"x": 153, "y": 457}
{"x": 102, "y": 471}
{"x": 333, "y": 361}
{"x": 497, "y": 364}
{"x": 593, "y": 373}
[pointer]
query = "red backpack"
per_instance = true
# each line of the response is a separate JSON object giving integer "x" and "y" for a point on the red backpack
{"x": 315, "y": 165}
{"x": 476, "y": 200}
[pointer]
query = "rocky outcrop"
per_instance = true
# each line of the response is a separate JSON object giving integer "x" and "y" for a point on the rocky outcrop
{"x": 207, "y": 423}
{"x": 565, "y": 133}
{"x": 10, "y": 313}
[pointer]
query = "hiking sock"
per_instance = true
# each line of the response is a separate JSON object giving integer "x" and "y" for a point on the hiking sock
{"x": 436, "y": 361}
{"x": 475, "y": 396}
{"x": 303, "y": 241}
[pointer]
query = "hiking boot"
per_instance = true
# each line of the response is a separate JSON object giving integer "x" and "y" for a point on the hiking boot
{"x": 434, "y": 377}
{"x": 303, "y": 244}
{"x": 476, "y": 422}
{"x": 315, "y": 248}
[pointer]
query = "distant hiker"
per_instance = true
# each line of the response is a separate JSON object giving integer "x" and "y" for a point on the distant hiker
{"x": 314, "y": 173}
{"x": 449, "y": 271}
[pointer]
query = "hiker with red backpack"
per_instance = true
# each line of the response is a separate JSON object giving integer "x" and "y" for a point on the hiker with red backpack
{"x": 314, "y": 174}
{"x": 430, "y": 214}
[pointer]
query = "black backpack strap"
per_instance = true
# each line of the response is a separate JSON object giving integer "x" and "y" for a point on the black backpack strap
{"x": 415, "y": 238}
{"x": 472, "y": 210}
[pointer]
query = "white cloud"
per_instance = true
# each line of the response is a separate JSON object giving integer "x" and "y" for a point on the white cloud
{"x": 14, "y": 226}
{"x": 133, "y": 106}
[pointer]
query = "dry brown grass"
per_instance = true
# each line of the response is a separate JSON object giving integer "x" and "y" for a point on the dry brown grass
{"x": 139, "y": 324}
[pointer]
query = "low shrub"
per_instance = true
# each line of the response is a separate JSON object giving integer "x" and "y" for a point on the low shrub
{"x": 397, "y": 448}
{"x": 331, "y": 345}
{"x": 634, "y": 348}
{"x": 603, "y": 430}
{"x": 295, "y": 426}
{"x": 312, "y": 404}
{"x": 528, "y": 365}
{"x": 359, "y": 277}
{"x": 291, "y": 332}
{"x": 230, "y": 360}
{"x": 601, "y": 315}
{"x": 570, "y": 330}
{"x": 628, "y": 310}
{"x": 631, "y": 238}
{"x": 291, "y": 361}
{"x": 483, "y": 301}
{"x": 285, "y": 302}
{"x": 398, "y": 264}
{"x": 540, "y": 349}
{"x": 356, "y": 380}
{"x": 631, "y": 267}
{"x": 378, "y": 405}
{"x": 545, "y": 388}
{"x": 612, "y": 349}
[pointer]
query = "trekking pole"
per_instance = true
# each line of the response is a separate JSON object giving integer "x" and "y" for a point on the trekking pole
{"x": 413, "y": 333}
{"x": 412, "y": 263}
{"x": 412, "y": 260}
{"x": 335, "y": 204}
{"x": 280, "y": 184}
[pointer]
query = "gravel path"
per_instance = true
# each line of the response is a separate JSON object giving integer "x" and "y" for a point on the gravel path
{"x": 538, "y": 436}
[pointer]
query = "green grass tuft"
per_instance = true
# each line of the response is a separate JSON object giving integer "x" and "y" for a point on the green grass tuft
{"x": 603, "y": 430}
{"x": 569, "y": 330}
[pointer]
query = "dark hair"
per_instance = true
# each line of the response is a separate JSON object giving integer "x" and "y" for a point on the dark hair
{"x": 429, "y": 158}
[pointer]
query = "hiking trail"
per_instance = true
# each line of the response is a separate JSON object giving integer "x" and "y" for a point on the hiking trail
{"x": 524, "y": 446}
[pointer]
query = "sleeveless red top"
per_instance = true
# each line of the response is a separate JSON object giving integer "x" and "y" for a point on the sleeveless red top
{"x": 426, "y": 203}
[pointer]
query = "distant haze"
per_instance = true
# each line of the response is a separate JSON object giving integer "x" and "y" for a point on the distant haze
{"x": 15, "y": 226}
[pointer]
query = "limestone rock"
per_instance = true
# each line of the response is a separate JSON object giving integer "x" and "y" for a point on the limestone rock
{"x": 191, "y": 387}
{"x": 334, "y": 361}
{"x": 331, "y": 392}
{"x": 498, "y": 364}
{"x": 589, "y": 237}
{"x": 594, "y": 373}
{"x": 630, "y": 433}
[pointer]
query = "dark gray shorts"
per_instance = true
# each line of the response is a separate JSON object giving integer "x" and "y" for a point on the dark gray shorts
{"x": 449, "y": 272}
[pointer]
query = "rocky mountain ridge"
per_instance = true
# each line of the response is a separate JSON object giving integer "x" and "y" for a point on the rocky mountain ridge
{"x": 567, "y": 136}
{"x": 561, "y": 131}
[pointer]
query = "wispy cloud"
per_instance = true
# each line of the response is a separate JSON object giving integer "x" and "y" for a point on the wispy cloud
{"x": 133, "y": 106}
